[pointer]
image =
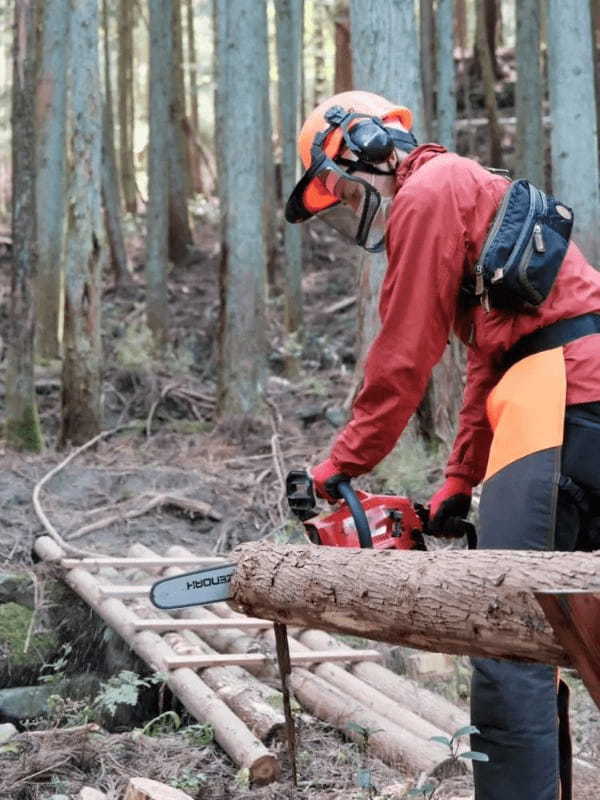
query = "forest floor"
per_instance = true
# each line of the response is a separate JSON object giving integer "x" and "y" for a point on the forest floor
{"x": 178, "y": 449}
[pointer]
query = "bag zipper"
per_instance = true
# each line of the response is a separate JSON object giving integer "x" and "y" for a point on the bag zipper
{"x": 498, "y": 219}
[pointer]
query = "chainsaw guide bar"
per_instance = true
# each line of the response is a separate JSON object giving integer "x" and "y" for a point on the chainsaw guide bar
{"x": 197, "y": 588}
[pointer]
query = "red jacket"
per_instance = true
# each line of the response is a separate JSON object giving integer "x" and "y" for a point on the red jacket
{"x": 438, "y": 223}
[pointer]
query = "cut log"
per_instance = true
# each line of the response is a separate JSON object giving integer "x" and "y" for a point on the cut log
{"x": 388, "y": 741}
{"x": 254, "y": 702}
{"x": 89, "y": 793}
{"x": 371, "y": 698}
{"x": 477, "y": 603}
{"x": 147, "y": 789}
{"x": 230, "y": 732}
{"x": 432, "y": 707}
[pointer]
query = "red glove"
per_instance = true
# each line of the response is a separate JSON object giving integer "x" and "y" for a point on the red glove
{"x": 325, "y": 477}
{"x": 449, "y": 506}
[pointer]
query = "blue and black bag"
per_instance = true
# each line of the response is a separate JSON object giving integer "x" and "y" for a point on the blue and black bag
{"x": 524, "y": 249}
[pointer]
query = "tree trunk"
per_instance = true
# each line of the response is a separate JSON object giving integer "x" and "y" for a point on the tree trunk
{"x": 342, "y": 81}
{"x": 438, "y": 412}
{"x": 573, "y": 108}
{"x": 85, "y": 255}
{"x": 445, "y": 74}
{"x": 22, "y": 423}
{"x": 243, "y": 271}
{"x": 486, "y": 56}
{"x": 385, "y": 58}
{"x": 192, "y": 129}
{"x": 157, "y": 232}
{"x": 126, "y": 104}
{"x": 487, "y": 43}
{"x": 268, "y": 196}
{"x": 111, "y": 195}
{"x": 192, "y": 66}
{"x": 289, "y": 15}
{"x": 452, "y": 601}
{"x": 180, "y": 234}
{"x": 51, "y": 100}
{"x": 320, "y": 77}
{"x": 392, "y": 25}
{"x": 529, "y": 93}
{"x": 428, "y": 50}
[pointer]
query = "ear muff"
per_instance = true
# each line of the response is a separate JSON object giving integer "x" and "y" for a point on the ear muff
{"x": 366, "y": 136}
{"x": 371, "y": 141}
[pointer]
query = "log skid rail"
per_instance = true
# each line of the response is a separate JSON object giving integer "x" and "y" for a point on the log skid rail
{"x": 222, "y": 666}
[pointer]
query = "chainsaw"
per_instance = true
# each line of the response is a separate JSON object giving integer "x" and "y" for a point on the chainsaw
{"x": 380, "y": 521}
{"x": 361, "y": 519}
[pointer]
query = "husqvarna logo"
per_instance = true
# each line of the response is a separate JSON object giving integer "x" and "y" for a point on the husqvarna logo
{"x": 202, "y": 584}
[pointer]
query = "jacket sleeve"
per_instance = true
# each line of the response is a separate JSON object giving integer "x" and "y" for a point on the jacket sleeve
{"x": 470, "y": 451}
{"x": 425, "y": 248}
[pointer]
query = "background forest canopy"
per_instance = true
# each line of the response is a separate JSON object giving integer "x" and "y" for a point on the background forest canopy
{"x": 151, "y": 147}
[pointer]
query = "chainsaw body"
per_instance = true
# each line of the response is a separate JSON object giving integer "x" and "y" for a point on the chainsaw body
{"x": 392, "y": 522}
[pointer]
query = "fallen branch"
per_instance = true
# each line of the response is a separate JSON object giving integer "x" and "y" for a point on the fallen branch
{"x": 41, "y": 514}
{"x": 340, "y": 305}
{"x": 159, "y": 500}
{"x": 165, "y": 391}
{"x": 90, "y": 727}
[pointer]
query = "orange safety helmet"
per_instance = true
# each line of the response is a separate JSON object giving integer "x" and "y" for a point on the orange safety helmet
{"x": 328, "y": 135}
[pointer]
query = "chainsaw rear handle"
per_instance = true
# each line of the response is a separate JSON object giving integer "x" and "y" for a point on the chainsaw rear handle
{"x": 358, "y": 513}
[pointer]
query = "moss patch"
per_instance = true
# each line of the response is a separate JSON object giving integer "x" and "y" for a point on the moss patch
{"x": 14, "y": 624}
{"x": 25, "y": 433}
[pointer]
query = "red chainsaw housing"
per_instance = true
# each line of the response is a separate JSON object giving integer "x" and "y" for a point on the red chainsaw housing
{"x": 394, "y": 523}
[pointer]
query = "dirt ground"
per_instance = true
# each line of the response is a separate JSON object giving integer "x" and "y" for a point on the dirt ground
{"x": 178, "y": 450}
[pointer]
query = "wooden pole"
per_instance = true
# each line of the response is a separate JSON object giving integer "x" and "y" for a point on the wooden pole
{"x": 409, "y": 694}
{"x": 255, "y": 703}
{"x": 474, "y": 603}
{"x": 231, "y": 733}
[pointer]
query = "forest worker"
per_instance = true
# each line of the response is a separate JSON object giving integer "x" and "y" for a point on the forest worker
{"x": 530, "y": 421}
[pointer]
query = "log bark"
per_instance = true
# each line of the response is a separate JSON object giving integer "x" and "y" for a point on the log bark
{"x": 473, "y": 603}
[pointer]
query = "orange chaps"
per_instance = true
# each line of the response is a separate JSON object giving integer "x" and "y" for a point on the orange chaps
{"x": 521, "y": 710}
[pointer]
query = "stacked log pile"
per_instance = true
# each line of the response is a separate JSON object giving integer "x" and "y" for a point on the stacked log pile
{"x": 240, "y": 701}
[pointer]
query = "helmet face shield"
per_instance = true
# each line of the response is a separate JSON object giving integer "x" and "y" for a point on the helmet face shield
{"x": 351, "y": 209}
{"x": 356, "y": 216}
{"x": 332, "y": 188}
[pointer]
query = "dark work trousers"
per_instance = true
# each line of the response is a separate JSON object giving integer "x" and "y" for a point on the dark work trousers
{"x": 522, "y": 709}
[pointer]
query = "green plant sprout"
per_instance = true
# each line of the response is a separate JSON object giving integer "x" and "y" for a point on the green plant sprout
{"x": 428, "y": 790}
{"x": 199, "y": 735}
{"x": 167, "y": 722}
{"x": 188, "y": 780}
{"x": 364, "y": 776}
{"x": 453, "y": 744}
{"x": 55, "y": 670}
